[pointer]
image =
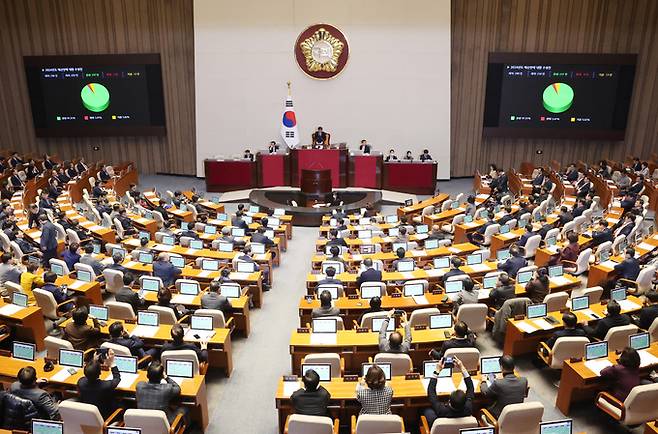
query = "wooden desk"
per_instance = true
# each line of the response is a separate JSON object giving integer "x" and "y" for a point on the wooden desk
{"x": 193, "y": 390}
{"x": 443, "y": 217}
{"x": 601, "y": 272}
{"x": 579, "y": 383}
{"x": 27, "y": 325}
{"x": 90, "y": 290}
{"x": 518, "y": 342}
{"x": 417, "y": 208}
{"x": 503, "y": 241}
{"x": 650, "y": 428}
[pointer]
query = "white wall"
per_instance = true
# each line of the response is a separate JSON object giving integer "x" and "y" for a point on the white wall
{"x": 394, "y": 91}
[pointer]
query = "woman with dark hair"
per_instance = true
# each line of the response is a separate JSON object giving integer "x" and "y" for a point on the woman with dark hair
{"x": 623, "y": 376}
{"x": 538, "y": 287}
{"x": 376, "y": 397}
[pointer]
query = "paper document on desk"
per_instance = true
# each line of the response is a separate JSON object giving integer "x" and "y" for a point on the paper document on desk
{"x": 179, "y": 380}
{"x": 418, "y": 253}
{"x": 23, "y": 227}
{"x": 480, "y": 267}
{"x": 597, "y": 365}
{"x": 471, "y": 224}
{"x": 239, "y": 276}
{"x": 191, "y": 251}
{"x": 145, "y": 331}
{"x": 560, "y": 281}
{"x": 608, "y": 264}
{"x": 462, "y": 385}
{"x": 204, "y": 335}
{"x": 204, "y": 273}
{"x": 127, "y": 379}
{"x": 588, "y": 313}
{"x": 552, "y": 249}
{"x": 434, "y": 272}
{"x": 96, "y": 228}
{"x": 323, "y": 339}
{"x": 61, "y": 376}
{"x": 407, "y": 274}
{"x": 182, "y": 299}
{"x": 10, "y": 309}
{"x": 454, "y": 250}
{"x": 420, "y": 299}
{"x": 628, "y": 305}
{"x": 508, "y": 236}
{"x": 525, "y": 327}
{"x": 131, "y": 264}
{"x": 76, "y": 284}
{"x": 646, "y": 246}
{"x": 542, "y": 324}
{"x": 443, "y": 385}
{"x": 289, "y": 387}
{"x": 165, "y": 248}
{"x": 421, "y": 236}
{"x": 107, "y": 261}
{"x": 483, "y": 293}
{"x": 647, "y": 359}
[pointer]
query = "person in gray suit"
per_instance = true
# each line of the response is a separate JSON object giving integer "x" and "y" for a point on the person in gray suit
{"x": 213, "y": 300}
{"x": 507, "y": 390}
{"x": 468, "y": 295}
{"x": 48, "y": 241}
{"x": 154, "y": 395}
{"x": 395, "y": 343}
{"x": 88, "y": 259}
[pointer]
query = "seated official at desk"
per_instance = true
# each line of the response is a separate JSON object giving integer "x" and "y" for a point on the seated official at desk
{"x": 178, "y": 343}
{"x": 408, "y": 156}
{"x": 568, "y": 255}
{"x": 629, "y": 268}
{"x": 455, "y": 263}
{"x": 400, "y": 253}
{"x": 164, "y": 300}
{"x": 214, "y": 300}
{"x": 614, "y": 318}
{"x": 375, "y": 304}
{"x": 461, "y": 338}
{"x": 460, "y": 403}
{"x": 649, "y": 312}
{"x": 154, "y": 395}
{"x": 94, "y": 391}
{"x": 320, "y": 138}
{"x": 468, "y": 295}
{"x": 330, "y": 272}
{"x": 273, "y": 148}
{"x": 377, "y": 396}
{"x": 365, "y": 147}
{"x": 395, "y": 343}
{"x": 391, "y": 156}
{"x": 119, "y": 336}
{"x": 624, "y": 376}
{"x": 27, "y": 388}
{"x": 326, "y": 308}
{"x": 601, "y": 233}
{"x": 335, "y": 255}
{"x": 117, "y": 259}
{"x": 507, "y": 390}
{"x": 165, "y": 270}
{"x": 81, "y": 335}
{"x": 313, "y": 399}
{"x": 503, "y": 291}
{"x": 539, "y": 286}
{"x": 248, "y": 155}
{"x": 370, "y": 274}
{"x": 125, "y": 294}
{"x": 570, "y": 329}
{"x": 335, "y": 240}
{"x": 425, "y": 156}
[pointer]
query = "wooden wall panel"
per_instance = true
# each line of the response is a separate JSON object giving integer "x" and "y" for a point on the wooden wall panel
{"x": 571, "y": 26}
{"x": 57, "y": 27}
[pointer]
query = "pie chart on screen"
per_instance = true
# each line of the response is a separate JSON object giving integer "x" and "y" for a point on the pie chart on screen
{"x": 558, "y": 97}
{"x": 95, "y": 97}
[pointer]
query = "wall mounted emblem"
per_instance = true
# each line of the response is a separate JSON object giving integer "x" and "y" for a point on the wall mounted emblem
{"x": 321, "y": 51}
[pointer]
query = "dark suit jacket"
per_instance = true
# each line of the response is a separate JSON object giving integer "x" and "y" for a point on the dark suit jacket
{"x": 45, "y": 404}
{"x": 337, "y": 242}
{"x": 636, "y": 187}
{"x": 369, "y": 275}
{"x": 525, "y": 237}
{"x": 133, "y": 343}
{"x": 82, "y": 337}
{"x": 127, "y": 295}
{"x": 606, "y": 324}
{"x": 599, "y": 237}
{"x": 628, "y": 269}
{"x": 565, "y": 333}
{"x": 452, "y": 272}
{"x": 48, "y": 236}
{"x": 313, "y": 403}
{"x": 507, "y": 390}
{"x": 647, "y": 315}
{"x": 165, "y": 271}
{"x": 536, "y": 291}
{"x": 500, "y": 294}
{"x": 467, "y": 342}
{"x": 513, "y": 265}
{"x": 201, "y": 354}
{"x": 441, "y": 407}
{"x": 100, "y": 392}
{"x": 262, "y": 239}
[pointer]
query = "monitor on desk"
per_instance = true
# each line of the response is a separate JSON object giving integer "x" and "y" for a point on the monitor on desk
{"x": 454, "y": 286}
{"x": 19, "y": 299}
{"x": 183, "y": 207}
{"x": 196, "y": 244}
{"x": 365, "y": 234}
{"x": 144, "y": 234}
{"x": 322, "y": 369}
{"x": 177, "y": 261}
{"x": 503, "y": 255}
{"x": 147, "y": 318}
{"x": 273, "y": 222}
{"x": 454, "y": 204}
{"x": 214, "y": 199}
{"x": 474, "y": 259}
{"x": 210, "y": 230}
{"x": 556, "y": 427}
{"x": 524, "y": 276}
{"x": 83, "y": 275}
{"x": 555, "y": 271}
{"x": 257, "y": 248}
{"x": 551, "y": 241}
{"x": 442, "y": 262}
{"x": 279, "y": 211}
{"x": 504, "y": 229}
{"x": 150, "y": 284}
{"x": 230, "y": 290}
{"x": 538, "y": 310}
{"x": 222, "y": 217}
{"x": 47, "y": 427}
{"x": 399, "y": 245}
{"x": 179, "y": 368}
{"x": 489, "y": 282}
{"x": 185, "y": 226}
{"x": 377, "y": 324}
{"x": 413, "y": 289}
{"x": 490, "y": 365}
{"x": 57, "y": 269}
{"x": 325, "y": 325}
{"x": 245, "y": 267}
{"x": 23, "y": 351}
{"x": 269, "y": 233}
{"x": 237, "y": 232}
{"x": 393, "y": 232}
{"x": 580, "y": 303}
{"x": 422, "y": 229}
{"x": 225, "y": 247}
{"x": 127, "y": 364}
{"x": 618, "y": 294}
{"x": 391, "y": 219}
{"x": 468, "y": 218}
{"x": 406, "y": 266}
{"x": 639, "y": 341}
{"x": 189, "y": 288}
{"x": 386, "y": 367}
{"x": 408, "y": 202}
{"x": 429, "y": 367}
{"x": 254, "y": 209}
{"x": 72, "y": 358}
{"x": 596, "y": 350}
{"x": 370, "y": 291}
{"x": 168, "y": 240}
{"x": 431, "y": 243}
{"x": 201, "y": 322}
{"x": 488, "y": 430}
{"x": 334, "y": 290}
{"x": 441, "y": 321}
{"x": 367, "y": 249}
{"x": 119, "y": 251}
{"x": 149, "y": 216}
{"x": 209, "y": 265}
{"x": 145, "y": 258}
{"x": 98, "y": 312}
{"x": 247, "y": 219}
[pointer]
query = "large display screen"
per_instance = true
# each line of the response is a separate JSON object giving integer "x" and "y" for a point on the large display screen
{"x": 96, "y": 95}
{"x": 558, "y": 95}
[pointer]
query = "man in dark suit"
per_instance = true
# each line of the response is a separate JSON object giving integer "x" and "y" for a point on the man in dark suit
{"x": 81, "y": 335}
{"x": 629, "y": 268}
{"x": 320, "y": 138}
{"x": 601, "y": 234}
{"x": 125, "y": 294}
{"x": 649, "y": 312}
{"x": 572, "y": 173}
{"x": 625, "y": 226}
{"x": 117, "y": 259}
{"x": 260, "y": 237}
{"x": 514, "y": 263}
{"x": 460, "y": 403}
{"x": 507, "y": 390}
{"x": 369, "y": 274}
{"x": 579, "y": 209}
{"x": 153, "y": 395}
{"x": 529, "y": 232}
{"x": 637, "y": 186}
{"x": 503, "y": 291}
{"x": 165, "y": 270}
{"x": 365, "y": 147}
{"x": 313, "y": 399}
{"x": 461, "y": 338}
{"x": 178, "y": 343}
{"x": 94, "y": 391}
{"x": 214, "y": 300}
{"x": 119, "y": 336}
{"x": 613, "y": 319}
{"x": 335, "y": 240}
{"x": 48, "y": 241}
{"x": 570, "y": 329}
{"x": 455, "y": 262}
{"x": 330, "y": 279}
{"x": 27, "y": 388}
{"x": 564, "y": 216}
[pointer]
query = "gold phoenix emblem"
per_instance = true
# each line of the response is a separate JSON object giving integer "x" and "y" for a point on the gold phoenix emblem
{"x": 321, "y": 51}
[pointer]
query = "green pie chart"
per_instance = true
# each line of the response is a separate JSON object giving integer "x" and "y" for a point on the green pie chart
{"x": 95, "y": 97}
{"x": 558, "y": 97}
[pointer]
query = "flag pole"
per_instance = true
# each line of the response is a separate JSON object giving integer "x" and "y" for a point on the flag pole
{"x": 289, "y": 92}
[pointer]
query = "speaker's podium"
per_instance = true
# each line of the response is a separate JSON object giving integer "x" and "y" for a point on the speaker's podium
{"x": 333, "y": 159}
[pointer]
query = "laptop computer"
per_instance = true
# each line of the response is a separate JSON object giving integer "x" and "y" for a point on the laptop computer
{"x": 189, "y": 288}
{"x": 332, "y": 289}
{"x": 322, "y": 369}
{"x": 430, "y": 366}
{"x": 538, "y": 310}
{"x": 365, "y": 234}
{"x": 57, "y": 269}
{"x": 257, "y": 248}
{"x": 222, "y": 217}
{"x": 196, "y": 244}
{"x": 489, "y": 282}
{"x": 237, "y": 232}
{"x": 83, "y": 275}
{"x": 618, "y": 294}
{"x": 209, "y": 265}
{"x": 225, "y": 247}
{"x": 117, "y": 250}
{"x": 580, "y": 303}
{"x": 145, "y": 258}
{"x": 246, "y": 267}
{"x": 431, "y": 243}
{"x": 377, "y": 325}
{"x": 490, "y": 365}
{"x": 391, "y": 219}
{"x": 399, "y": 245}
{"x": 23, "y": 351}
{"x": 210, "y": 230}
{"x": 503, "y": 255}
{"x": 454, "y": 286}
{"x": 422, "y": 229}
{"x": 150, "y": 284}
{"x": 639, "y": 341}
{"x": 488, "y": 430}
{"x": 393, "y": 232}
{"x": 405, "y": 266}
{"x": 524, "y": 277}
{"x": 168, "y": 240}
{"x": 442, "y": 262}
{"x": 144, "y": 234}
{"x": 504, "y": 229}
{"x": 230, "y": 291}
{"x": 555, "y": 271}
{"x": 126, "y": 364}
{"x": 177, "y": 261}
{"x": 19, "y": 299}
{"x": 201, "y": 322}
{"x": 474, "y": 259}
{"x": 370, "y": 291}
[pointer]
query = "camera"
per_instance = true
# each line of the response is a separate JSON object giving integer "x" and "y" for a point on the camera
{"x": 398, "y": 312}
{"x": 102, "y": 353}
